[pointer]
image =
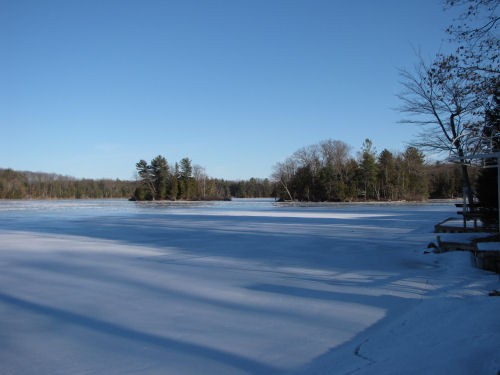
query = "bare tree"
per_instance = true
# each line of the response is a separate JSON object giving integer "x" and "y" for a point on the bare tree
{"x": 476, "y": 61}
{"x": 308, "y": 156}
{"x": 283, "y": 174}
{"x": 476, "y": 33}
{"x": 447, "y": 108}
{"x": 335, "y": 153}
{"x": 450, "y": 97}
{"x": 200, "y": 176}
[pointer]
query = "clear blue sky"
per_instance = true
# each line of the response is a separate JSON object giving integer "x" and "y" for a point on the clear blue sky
{"x": 87, "y": 88}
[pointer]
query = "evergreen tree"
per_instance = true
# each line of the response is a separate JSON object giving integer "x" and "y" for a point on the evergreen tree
{"x": 444, "y": 180}
{"x": 416, "y": 184}
{"x": 185, "y": 173}
{"x": 386, "y": 173}
{"x": 161, "y": 176}
{"x": 175, "y": 183}
{"x": 368, "y": 170}
{"x": 328, "y": 184}
{"x": 147, "y": 178}
{"x": 186, "y": 170}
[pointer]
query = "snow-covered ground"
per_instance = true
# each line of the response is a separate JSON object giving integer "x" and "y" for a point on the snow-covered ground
{"x": 243, "y": 287}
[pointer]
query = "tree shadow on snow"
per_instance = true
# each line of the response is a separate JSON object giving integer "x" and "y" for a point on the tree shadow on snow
{"x": 119, "y": 331}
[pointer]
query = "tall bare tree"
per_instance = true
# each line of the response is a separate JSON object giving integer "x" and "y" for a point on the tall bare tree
{"x": 446, "y": 107}
{"x": 476, "y": 60}
{"x": 450, "y": 96}
{"x": 283, "y": 173}
{"x": 200, "y": 176}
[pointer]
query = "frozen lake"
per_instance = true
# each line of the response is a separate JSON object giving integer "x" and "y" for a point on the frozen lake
{"x": 241, "y": 287}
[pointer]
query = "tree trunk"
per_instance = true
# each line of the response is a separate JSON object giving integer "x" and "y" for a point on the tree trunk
{"x": 284, "y": 185}
{"x": 465, "y": 172}
{"x": 465, "y": 175}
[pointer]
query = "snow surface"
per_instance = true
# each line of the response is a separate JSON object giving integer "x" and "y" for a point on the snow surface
{"x": 243, "y": 287}
{"x": 488, "y": 246}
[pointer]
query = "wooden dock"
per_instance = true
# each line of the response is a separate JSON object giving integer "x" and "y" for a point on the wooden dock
{"x": 485, "y": 251}
{"x": 447, "y": 226}
{"x": 487, "y": 256}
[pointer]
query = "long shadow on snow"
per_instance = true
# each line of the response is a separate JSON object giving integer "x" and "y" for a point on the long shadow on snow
{"x": 134, "y": 335}
{"x": 215, "y": 235}
{"x": 90, "y": 273}
{"x": 381, "y": 301}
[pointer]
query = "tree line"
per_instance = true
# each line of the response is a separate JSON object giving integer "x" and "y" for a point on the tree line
{"x": 322, "y": 172}
{"x": 32, "y": 185}
{"x": 252, "y": 188}
{"x": 185, "y": 181}
{"x": 327, "y": 172}
{"x": 38, "y": 185}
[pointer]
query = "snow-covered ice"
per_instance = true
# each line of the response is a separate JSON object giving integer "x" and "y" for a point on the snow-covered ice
{"x": 243, "y": 287}
{"x": 488, "y": 246}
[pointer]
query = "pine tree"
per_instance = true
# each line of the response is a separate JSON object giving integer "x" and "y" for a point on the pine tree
{"x": 147, "y": 179}
{"x": 416, "y": 187}
{"x": 185, "y": 174}
{"x": 386, "y": 174}
{"x": 161, "y": 176}
{"x": 368, "y": 170}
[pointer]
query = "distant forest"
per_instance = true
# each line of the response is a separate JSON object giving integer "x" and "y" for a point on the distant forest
{"x": 327, "y": 172}
{"x": 36, "y": 185}
{"x": 322, "y": 172}
{"x": 185, "y": 181}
